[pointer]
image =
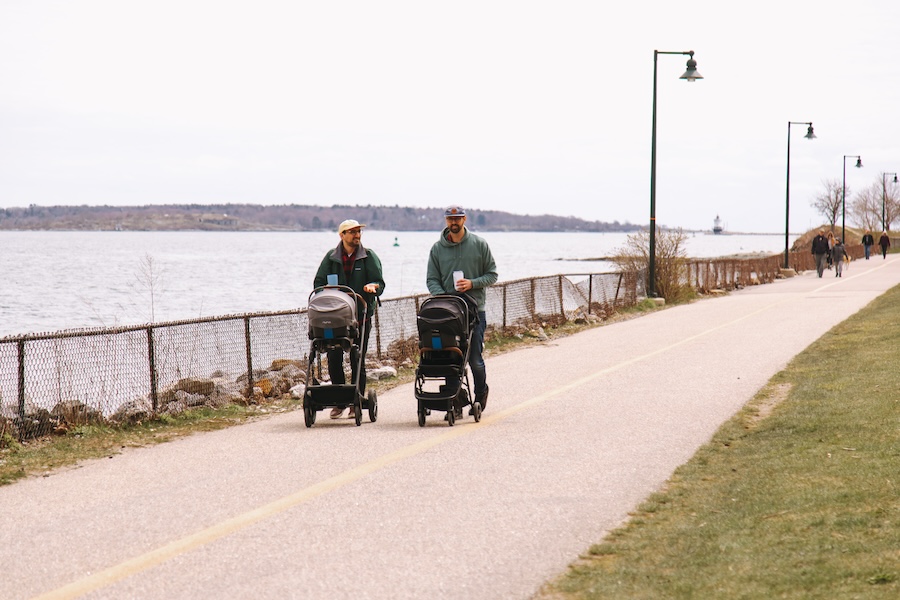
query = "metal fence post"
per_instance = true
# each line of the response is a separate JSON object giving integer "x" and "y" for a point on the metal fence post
{"x": 21, "y": 351}
{"x": 590, "y": 293}
{"x": 504, "y": 306}
{"x": 619, "y": 287}
{"x": 377, "y": 335}
{"x": 249, "y": 356}
{"x": 533, "y": 298}
{"x": 562, "y": 306}
{"x": 154, "y": 380}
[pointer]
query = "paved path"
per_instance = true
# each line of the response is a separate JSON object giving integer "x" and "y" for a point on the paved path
{"x": 576, "y": 434}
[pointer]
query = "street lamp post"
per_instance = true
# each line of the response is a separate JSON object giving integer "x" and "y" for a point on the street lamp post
{"x": 883, "y": 186}
{"x": 690, "y": 74}
{"x": 787, "y": 194}
{"x": 844, "y": 194}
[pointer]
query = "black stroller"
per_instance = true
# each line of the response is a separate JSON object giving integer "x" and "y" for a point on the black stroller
{"x": 333, "y": 324}
{"x": 445, "y": 325}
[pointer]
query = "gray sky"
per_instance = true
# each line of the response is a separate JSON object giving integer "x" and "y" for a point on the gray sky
{"x": 523, "y": 106}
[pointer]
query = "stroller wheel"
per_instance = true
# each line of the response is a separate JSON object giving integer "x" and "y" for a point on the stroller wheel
{"x": 421, "y": 417}
{"x": 373, "y": 405}
{"x": 309, "y": 415}
{"x": 451, "y": 417}
{"x": 476, "y": 411}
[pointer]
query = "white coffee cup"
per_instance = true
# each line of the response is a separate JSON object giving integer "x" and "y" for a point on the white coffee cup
{"x": 457, "y": 275}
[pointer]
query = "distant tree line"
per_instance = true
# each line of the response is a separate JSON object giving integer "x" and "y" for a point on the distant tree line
{"x": 288, "y": 217}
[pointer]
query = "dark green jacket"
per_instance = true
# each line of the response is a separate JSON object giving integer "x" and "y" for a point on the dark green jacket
{"x": 471, "y": 255}
{"x": 366, "y": 269}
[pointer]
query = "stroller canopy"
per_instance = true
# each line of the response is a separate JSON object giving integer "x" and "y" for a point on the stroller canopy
{"x": 449, "y": 317}
{"x": 331, "y": 309}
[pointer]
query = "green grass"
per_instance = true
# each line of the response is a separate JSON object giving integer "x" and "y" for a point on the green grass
{"x": 797, "y": 496}
{"x": 45, "y": 455}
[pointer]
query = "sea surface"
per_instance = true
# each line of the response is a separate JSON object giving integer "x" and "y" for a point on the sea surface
{"x": 53, "y": 281}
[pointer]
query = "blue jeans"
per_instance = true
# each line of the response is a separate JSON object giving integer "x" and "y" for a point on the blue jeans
{"x": 476, "y": 360}
{"x": 868, "y": 250}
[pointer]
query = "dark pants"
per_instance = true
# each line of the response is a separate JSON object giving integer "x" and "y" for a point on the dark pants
{"x": 336, "y": 361}
{"x": 820, "y": 264}
{"x": 476, "y": 360}
{"x": 884, "y": 251}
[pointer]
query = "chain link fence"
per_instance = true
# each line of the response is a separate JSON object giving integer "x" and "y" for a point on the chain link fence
{"x": 53, "y": 382}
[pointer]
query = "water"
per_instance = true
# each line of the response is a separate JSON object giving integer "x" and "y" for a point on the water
{"x": 51, "y": 281}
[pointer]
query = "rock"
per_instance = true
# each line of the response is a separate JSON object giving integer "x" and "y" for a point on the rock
{"x": 280, "y": 363}
{"x": 189, "y": 400}
{"x": 195, "y": 385}
{"x": 265, "y": 387}
{"x": 75, "y": 412}
{"x": 133, "y": 411}
{"x": 297, "y": 391}
{"x": 381, "y": 373}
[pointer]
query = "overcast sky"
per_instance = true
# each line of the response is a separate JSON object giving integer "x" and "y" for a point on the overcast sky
{"x": 523, "y": 106}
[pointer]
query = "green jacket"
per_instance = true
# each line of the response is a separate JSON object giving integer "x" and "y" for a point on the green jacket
{"x": 366, "y": 269}
{"x": 472, "y": 256}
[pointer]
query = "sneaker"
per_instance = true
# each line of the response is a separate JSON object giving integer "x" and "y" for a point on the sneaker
{"x": 352, "y": 413}
{"x": 336, "y": 413}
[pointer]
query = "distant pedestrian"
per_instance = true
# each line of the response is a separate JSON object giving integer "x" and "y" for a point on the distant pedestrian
{"x": 820, "y": 251}
{"x": 829, "y": 257}
{"x": 868, "y": 241}
{"x": 885, "y": 243}
{"x": 838, "y": 254}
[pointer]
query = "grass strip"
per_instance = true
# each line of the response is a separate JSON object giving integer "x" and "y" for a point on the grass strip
{"x": 796, "y": 496}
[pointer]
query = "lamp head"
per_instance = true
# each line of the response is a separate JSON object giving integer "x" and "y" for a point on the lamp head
{"x": 810, "y": 135}
{"x": 858, "y": 162}
{"x": 691, "y": 73}
{"x": 895, "y": 178}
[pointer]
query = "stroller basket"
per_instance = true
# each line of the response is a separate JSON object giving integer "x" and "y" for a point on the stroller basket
{"x": 332, "y": 314}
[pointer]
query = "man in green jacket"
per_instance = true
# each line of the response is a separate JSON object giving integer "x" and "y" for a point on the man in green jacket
{"x": 359, "y": 269}
{"x": 461, "y": 251}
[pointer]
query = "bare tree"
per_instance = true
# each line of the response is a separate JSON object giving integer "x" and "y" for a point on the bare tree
{"x": 149, "y": 280}
{"x": 865, "y": 208}
{"x": 671, "y": 258}
{"x": 891, "y": 202}
{"x": 881, "y": 198}
{"x": 828, "y": 203}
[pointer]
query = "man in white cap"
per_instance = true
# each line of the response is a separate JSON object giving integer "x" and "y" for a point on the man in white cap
{"x": 359, "y": 269}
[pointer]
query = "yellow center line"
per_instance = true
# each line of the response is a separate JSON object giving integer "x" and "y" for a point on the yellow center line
{"x": 224, "y": 528}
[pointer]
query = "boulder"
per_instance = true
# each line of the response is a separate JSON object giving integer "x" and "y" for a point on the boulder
{"x": 133, "y": 411}
{"x": 280, "y": 363}
{"x": 380, "y": 373}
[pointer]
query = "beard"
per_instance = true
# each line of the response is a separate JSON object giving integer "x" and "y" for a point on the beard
{"x": 455, "y": 228}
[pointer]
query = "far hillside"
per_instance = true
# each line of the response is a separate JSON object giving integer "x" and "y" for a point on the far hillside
{"x": 291, "y": 217}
